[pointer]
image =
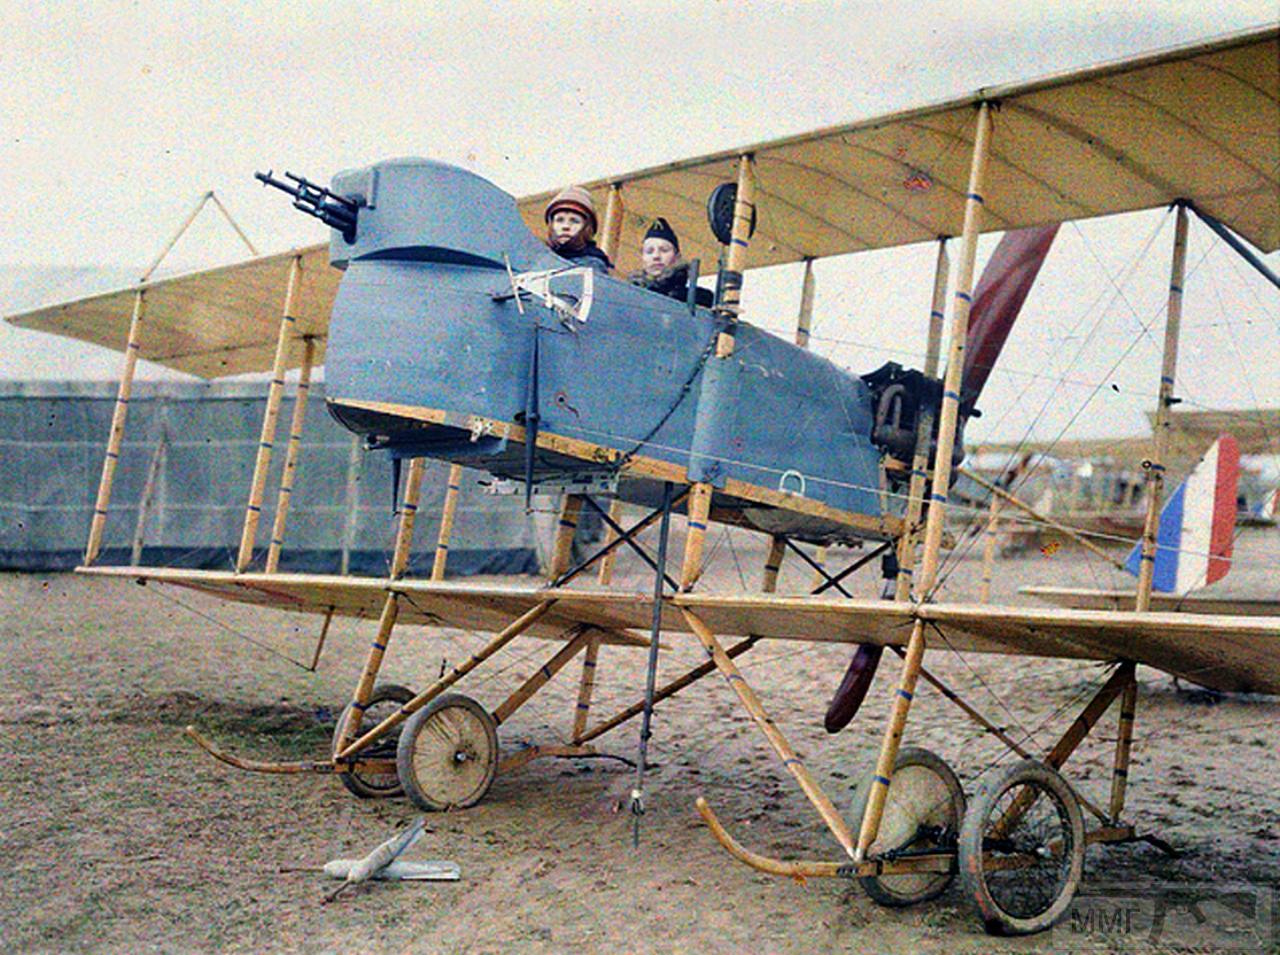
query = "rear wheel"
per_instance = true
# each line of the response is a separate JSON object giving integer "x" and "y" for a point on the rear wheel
{"x": 385, "y": 699}
{"x": 922, "y": 811}
{"x": 448, "y": 754}
{"x": 1022, "y": 849}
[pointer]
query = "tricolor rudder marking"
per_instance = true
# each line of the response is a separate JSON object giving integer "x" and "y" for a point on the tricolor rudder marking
{"x": 1193, "y": 543}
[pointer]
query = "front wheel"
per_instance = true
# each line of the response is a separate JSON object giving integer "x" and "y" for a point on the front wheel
{"x": 385, "y": 699}
{"x": 922, "y": 812}
{"x": 1022, "y": 849}
{"x": 448, "y": 754}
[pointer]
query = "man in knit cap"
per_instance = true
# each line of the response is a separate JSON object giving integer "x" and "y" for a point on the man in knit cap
{"x": 571, "y": 228}
{"x": 662, "y": 270}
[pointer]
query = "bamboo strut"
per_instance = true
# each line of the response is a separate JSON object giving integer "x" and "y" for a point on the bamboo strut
{"x": 232, "y": 222}
{"x": 839, "y": 828}
{"x": 447, "y": 513}
{"x": 924, "y": 433}
{"x": 726, "y": 310}
{"x": 269, "y": 418}
{"x": 324, "y": 635}
{"x": 804, "y": 320}
{"x": 290, "y": 474}
{"x": 567, "y": 527}
{"x": 1168, "y": 368}
{"x": 612, "y": 231}
{"x": 116, "y": 438}
{"x": 773, "y": 563}
{"x": 670, "y": 689}
{"x": 148, "y": 496}
{"x": 1124, "y": 742}
{"x": 989, "y": 550}
{"x": 1027, "y": 509}
{"x": 586, "y": 688}
{"x": 941, "y": 484}
{"x": 543, "y": 675}
{"x": 605, "y": 576}
{"x": 509, "y": 633}
{"x": 390, "y": 606}
{"x": 351, "y": 503}
{"x": 186, "y": 224}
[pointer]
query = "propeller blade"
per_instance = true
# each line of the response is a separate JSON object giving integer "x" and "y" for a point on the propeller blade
{"x": 1003, "y": 288}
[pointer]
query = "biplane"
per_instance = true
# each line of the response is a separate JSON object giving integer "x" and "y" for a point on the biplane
{"x": 449, "y": 331}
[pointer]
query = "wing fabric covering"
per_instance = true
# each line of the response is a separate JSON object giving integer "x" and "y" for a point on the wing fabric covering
{"x": 1223, "y": 652}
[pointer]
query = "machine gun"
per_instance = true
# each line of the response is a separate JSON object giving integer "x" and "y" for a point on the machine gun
{"x": 333, "y": 210}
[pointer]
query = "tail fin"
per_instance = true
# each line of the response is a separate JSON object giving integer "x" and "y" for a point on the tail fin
{"x": 1197, "y": 524}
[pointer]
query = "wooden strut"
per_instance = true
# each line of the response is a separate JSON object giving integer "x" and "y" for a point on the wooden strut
{"x": 586, "y": 688}
{"x": 390, "y": 606}
{"x": 448, "y": 510}
{"x": 989, "y": 550}
{"x": 930, "y": 559}
{"x": 543, "y": 674}
{"x": 148, "y": 496}
{"x": 1000, "y": 493}
{"x": 567, "y": 527}
{"x": 116, "y": 437}
{"x": 924, "y": 433}
{"x": 605, "y": 576}
{"x": 813, "y": 792}
{"x": 269, "y": 418}
{"x": 290, "y": 474}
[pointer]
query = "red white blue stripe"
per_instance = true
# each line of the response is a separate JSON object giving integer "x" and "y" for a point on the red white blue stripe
{"x": 1197, "y": 524}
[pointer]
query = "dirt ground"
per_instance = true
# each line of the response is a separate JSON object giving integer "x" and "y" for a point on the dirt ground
{"x": 122, "y": 836}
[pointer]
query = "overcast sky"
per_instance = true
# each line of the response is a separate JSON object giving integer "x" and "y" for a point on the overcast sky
{"x": 116, "y": 117}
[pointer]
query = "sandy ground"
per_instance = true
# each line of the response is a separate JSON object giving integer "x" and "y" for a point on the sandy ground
{"x": 121, "y": 836}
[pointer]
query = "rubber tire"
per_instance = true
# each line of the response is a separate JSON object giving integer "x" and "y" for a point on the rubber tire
{"x": 409, "y": 742}
{"x": 355, "y": 783}
{"x": 892, "y": 890}
{"x": 994, "y": 918}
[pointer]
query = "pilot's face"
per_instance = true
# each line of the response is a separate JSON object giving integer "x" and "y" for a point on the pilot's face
{"x": 566, "y": 224}
{"x": 656, "y": 255}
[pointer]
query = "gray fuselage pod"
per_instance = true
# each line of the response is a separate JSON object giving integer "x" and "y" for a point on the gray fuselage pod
{"x": 431, "y": 355}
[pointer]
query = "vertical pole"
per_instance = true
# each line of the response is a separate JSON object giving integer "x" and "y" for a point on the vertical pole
{"x": 989, "y": 551}
{"x": 408, "y": 515}
{"x": 351, "y": 501}
{"x": 1168, "y": 368}
{"x": 390, "y": 606}
{"x": 148, "y": 496}
{"x": 116, "y": 437}
{"x": 930, "y": 559}
{"x": 1124, "y": 743}
{"x": 699, "y": 505}
{"x": 586, "y": 687}
{"x": 447, "y": 512}
{"x": 924, "y": 433}
{"x": 804, "y": 320}
{"x": 290, "y": 474}
{"x": 773, "y": 564}
{"x": 651, "y": 672}
{"x": 612, "y": 230}
{"x": 254, "y": 508}
{"x": 565, "y": 530}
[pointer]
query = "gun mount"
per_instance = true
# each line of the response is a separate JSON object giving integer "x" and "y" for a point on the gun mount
{"x": 333, "y": 210}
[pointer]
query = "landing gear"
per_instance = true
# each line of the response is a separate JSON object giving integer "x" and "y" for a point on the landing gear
{"x": 385, "y": 699}
{"x": 448, "y": 754}
{"x": 922, "y": 813}
{"x": 1022, "y": 849}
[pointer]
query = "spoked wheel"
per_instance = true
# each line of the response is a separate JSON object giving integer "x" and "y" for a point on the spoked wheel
{"x": 1022, "y": 849}
{"x": 922, "y": 812}
{"x": 385, "y": 699}
{"x": 448, "y": 754}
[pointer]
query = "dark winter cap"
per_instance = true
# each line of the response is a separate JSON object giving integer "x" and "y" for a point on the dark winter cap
{"x": 661, "y": 229}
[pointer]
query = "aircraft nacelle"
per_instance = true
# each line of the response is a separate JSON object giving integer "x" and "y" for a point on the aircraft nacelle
{"x": 454, "y": 328}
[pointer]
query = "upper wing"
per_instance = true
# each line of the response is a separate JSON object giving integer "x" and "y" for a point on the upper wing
{"x": 1222, "y": 652}
{"x": 1196, "y": 122}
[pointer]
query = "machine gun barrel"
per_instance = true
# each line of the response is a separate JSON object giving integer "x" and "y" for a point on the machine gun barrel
{"x": 333, "y": 210}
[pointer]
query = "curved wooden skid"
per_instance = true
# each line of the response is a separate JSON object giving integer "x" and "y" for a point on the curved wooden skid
{"x": 287, "y": 767}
